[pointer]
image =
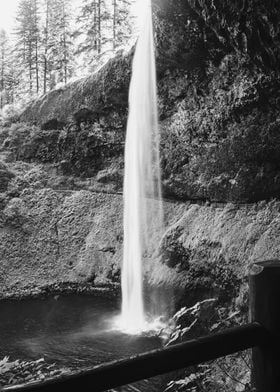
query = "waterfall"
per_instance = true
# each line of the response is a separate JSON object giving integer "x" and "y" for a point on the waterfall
{"x": 142, "y": 189}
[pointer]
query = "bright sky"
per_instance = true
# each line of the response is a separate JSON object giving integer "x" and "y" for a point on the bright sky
{"x": 7, "y": 14}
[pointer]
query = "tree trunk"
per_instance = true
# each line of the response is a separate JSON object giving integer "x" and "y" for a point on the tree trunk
{"x": 36, "y": 46}
{"x": 114, "y": 24}
{"x": 46, "y": 48}
{"x": 99, "y": 27}
{"x": 30, "y": 68}
{"x": 95, "y": 26}
{"x": 2, "y": 75}
{"x": 65, "y": 59}
{"x": 37, "y": 66}
{"x": 65, "y": 69}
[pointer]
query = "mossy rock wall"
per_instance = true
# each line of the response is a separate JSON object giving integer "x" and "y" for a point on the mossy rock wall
{"x": 89, "y": 98}
{"x": 219, "y": 94}
{"x": 48, "y": 236}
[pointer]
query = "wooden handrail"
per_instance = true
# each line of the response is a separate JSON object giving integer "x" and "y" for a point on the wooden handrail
{"x": 154, "y": 363}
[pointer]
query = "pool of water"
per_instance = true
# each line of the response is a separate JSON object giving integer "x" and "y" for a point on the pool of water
{"x": 74, "y": 331}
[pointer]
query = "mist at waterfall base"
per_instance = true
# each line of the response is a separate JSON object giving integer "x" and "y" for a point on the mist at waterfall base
{"x": 143, "y": 215}
{"x": 73, "y": 332}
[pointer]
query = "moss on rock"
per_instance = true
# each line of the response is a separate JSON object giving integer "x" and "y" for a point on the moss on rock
{"x": 218, "y": 104}
{"x": 5, "y": 176}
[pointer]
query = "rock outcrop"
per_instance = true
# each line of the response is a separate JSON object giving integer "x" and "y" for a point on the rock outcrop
{"x": 89, "y": 99}
{"x": 5, "y": 176}
{"x": 49, "y": 236}
{"x": 219, "y": 92}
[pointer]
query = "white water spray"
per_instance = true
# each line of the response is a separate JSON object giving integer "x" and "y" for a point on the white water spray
{"x": 142, "y": 216}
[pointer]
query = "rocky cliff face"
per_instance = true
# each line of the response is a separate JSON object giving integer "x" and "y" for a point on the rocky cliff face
{"x": 219, "y": 91}
{"x": 49, "y": 236}
{"x": 52, "y": 236}
{"x": 97, "y": 96}
{"x": 5, "y": 176}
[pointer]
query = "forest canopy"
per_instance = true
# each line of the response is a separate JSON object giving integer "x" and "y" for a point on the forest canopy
{"x": 54, "y": 41}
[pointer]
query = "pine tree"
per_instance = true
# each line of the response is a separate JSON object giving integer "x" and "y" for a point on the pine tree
{"x": 9, "y": 76}
{"x": 3, "y": 66}
{"x": 27, "y": 42}
{"x": 13, "y": 80}
{"x": 93, "y": 18}
{"x": 36, "y": 38}
{"x": 59, "y": 42}
{"x": 103, "y": 26}
{"x": 122, "y": 22}
{"x": 115, "y": 13}
{"x": 45, "y": 44}
{"x": 43, "y": 54}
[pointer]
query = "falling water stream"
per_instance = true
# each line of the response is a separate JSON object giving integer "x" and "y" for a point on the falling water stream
{"x": 77, "y": 331}
{"x": 142, "y": 175}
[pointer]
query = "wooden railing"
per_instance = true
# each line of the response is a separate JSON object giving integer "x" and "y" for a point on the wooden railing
{"x": 262, "y": 334}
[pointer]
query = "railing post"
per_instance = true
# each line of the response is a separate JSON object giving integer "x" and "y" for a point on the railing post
{"x": 264, "y": 281}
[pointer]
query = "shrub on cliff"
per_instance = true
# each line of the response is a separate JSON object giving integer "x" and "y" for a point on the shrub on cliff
{"x": 35, "y": 178}
{"x": 247, "y": 26}
{"x": 10, "y": 113}
{"x": 18, "y": 133}
{"x": 5, "y": 176}
{"x": 28, "y": 142}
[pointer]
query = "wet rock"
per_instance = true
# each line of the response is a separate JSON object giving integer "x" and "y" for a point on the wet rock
{"x": 100, "y": 92}
{"x": 52, "y": 124}
{"x": 218, "y": 105}
{"x": 172, "y": 251}
{"x": 5, "y": 176}
{"x": 84, "y": 114}
{"x": 65, "y": 167}
{"x": 21, "y": 372}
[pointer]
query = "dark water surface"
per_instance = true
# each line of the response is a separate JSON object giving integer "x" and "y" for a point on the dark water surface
{"x": 73, "y": 331}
